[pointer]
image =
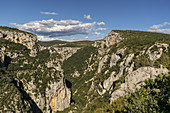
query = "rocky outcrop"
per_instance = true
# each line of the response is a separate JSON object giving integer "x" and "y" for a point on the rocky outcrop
{"x": 112, "y": 38}
{"x": 108, "y": 82}
{"x": 135, "y": 80}
{"x": 154, "y": 52}
{"x": 2, "y": 57}
{"x": 116, "y": 56}
{"x": 61, "y": 99}
{"x": 24, "y": 38}
{"x": 56, "y": 97}
{"x": 66, "y": 52}
{"x": 101, "y": 63}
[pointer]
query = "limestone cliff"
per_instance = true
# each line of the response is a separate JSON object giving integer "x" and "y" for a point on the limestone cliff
{"x": 27, "y": 39}
{"x": 112, "y": 38}
{"x": 77, "y": 76}
{"x": 29, "y": 74}
{"x": 62, "y": 98}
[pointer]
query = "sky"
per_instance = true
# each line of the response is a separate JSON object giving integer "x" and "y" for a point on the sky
{"x": 74, "y": 20}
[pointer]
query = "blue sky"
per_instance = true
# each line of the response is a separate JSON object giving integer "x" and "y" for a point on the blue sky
{"x": 84, "y": 19}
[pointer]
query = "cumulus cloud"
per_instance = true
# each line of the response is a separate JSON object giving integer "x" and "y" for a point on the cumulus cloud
{"x": 42, "y": 38}
{"x": 80, "y": 38}
{"x": 101, "y": 29}
{"x": 100, "y": 23}
{"x": 159, "y": 25}
{"x": 87, "y": 17}
{"x": 48, "y": 13}
{"x": 96, "y": 33}
{"x": 53, "y": 28}
{"x": 14, "y": 24}
{"x": 87, "y": 37}
{"x": 157, "y": 28}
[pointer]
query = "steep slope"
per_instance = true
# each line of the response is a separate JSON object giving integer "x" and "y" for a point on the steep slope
{"x": 78, "y": 76}
{"x": 120, "y": 64}
{"x": 30, "y": 83}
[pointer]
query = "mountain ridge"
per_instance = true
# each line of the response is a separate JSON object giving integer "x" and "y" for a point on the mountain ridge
{"x": 78, "y": 76}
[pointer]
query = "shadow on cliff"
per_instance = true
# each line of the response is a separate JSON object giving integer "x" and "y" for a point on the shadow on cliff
{"x": 7, "y": 61}
{"x": 26, "y": 97}
{"x": 69, "y": 85}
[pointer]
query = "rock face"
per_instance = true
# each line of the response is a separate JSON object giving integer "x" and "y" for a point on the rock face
{"x": 26, "y": 39}
{"x": 135, "y": 80}
{"x": 112, "y": 38}
{"x": 62, "y": 98}
{"x": 107, "y": 71}
{"x": 156, "y": 53}
{"x": 108, "y": 82}
{"x": 101, "y": 63}
{"x": 116, "y": 56}
{"x": 2, "y": 57}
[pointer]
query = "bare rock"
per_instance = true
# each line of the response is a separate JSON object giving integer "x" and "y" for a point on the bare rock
{"x": 108, "y": 82}
{"x": 112, "y": 38}
{"x": 101, "y": 63}
{"x": 114, "y": 59}
{"x": 135, "y": 79}
{"x": 26, "y": 39}
{"x": 62, "y": 98}
{"x": 156, "y": 54}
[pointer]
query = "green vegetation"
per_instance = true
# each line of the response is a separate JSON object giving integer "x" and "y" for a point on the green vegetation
{"x": 78, "y": 44}
{"x": 165, "y": 59}
{"x": 142, "y": 61}
{"x": 51, "y": 43}
{"x": 137, "y": 40}
{"x": 99, "y": 104}
{"x": 60, "y": 43}
{"x": 12, "y": 47}
{"x": 21, "y": 71}
{"x": 153, "y": 97}
{"x": 78, "y": 61}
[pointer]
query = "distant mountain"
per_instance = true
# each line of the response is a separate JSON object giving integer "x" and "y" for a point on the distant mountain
{"x": 127, "y": 71}
{"x": 51, "y": 43}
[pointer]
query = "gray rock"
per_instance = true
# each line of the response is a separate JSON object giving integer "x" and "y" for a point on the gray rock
{"x": 26, "y": 39}
{"x": 135, "y": 79}
{"x": 116, "y": 56}
{"x": 114, "y": 59}
{"x": 108, "y": 82}
{"x": 112, "y": 38}
{"x": 62, "y": 97}
{"x": 154, "y": 55}
{"x": 101, "y": 63}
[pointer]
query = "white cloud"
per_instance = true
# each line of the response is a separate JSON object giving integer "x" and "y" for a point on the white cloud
{"x": 14, "y": 24}
{"x": 100, "y": 23}
{"x": 100, "y": 29}
{"x": 156, "y": 28}
{"x": 167, "y": 31}
{"x": 87, "y": 17}
{"x": 159, "y": 25}
{"x": 48, "y": 13}
{"x": 53, "y": 28}
{"x": 87, "y": 37}
{"x": 80, "y": 38}
{"x": 42, "y": 38}
{"x": 96, "y": 33}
